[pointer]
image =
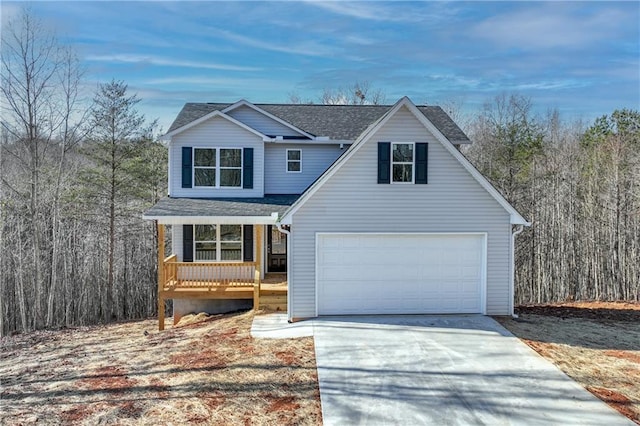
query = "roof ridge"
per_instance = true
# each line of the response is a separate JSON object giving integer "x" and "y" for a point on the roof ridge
{"x": 313, "y": 105}
{"x": 339, "y": 122}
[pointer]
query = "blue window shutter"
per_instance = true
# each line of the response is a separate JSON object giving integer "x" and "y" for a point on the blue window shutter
{"x": 384, "y": 162}
{"x": 247, "y": 168}
{"x": 422, "y": 160}
{"x": 186, "y": 166}
{"x": 247, "y": 243}
{"x": 187, "y": 243}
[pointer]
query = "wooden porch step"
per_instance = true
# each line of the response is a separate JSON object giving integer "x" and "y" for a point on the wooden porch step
{"x": 277, "y": 302}
{"x": 273, "y": 293}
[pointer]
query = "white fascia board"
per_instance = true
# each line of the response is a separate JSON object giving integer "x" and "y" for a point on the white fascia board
{"x": 246, "y": 103}
{"x": 286, "y": 218}
{"x": 515, "y": 217}
{"x": 168, "y": 136}
{"x": 212, "y": 220}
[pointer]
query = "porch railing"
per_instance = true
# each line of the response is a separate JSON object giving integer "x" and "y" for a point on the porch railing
{"x": 206, "y": 275}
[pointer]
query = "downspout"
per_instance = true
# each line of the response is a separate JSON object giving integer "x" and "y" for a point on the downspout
{"x": 519, "y": 229}
{"x": 288, "y": 234}
{"x": 169, "y": 169}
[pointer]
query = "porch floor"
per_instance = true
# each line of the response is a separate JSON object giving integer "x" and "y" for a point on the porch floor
{"x": 274, "y": 281}
{"x": 273, "y": 290}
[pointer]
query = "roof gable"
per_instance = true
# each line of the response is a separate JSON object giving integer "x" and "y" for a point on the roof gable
{"x": 243, "y": 103}
{"x": 209, "y": 116}
{"x": 516, "y": 218}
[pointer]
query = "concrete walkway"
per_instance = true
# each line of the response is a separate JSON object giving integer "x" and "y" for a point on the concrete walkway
{"x": 276, "y": 326}
{"x": 442, "y": 370}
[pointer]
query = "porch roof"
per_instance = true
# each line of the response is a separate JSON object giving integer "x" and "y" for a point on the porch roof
{"x": 264, "y": 210}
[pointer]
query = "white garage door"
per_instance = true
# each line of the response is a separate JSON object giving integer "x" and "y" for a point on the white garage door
{"x": 400, "y": 273}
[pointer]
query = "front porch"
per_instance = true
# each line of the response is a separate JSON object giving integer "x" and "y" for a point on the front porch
{"x": 218, "y": 280}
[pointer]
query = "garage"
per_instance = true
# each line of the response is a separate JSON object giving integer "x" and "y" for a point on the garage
{"x": 370, "y": 273}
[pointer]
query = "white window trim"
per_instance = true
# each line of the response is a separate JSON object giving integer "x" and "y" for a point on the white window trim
{"x": 217, "y": 167}
{"x": 219, "y": 243}
{"x": 286, "y": 165}
{"x": 412, "y": 163}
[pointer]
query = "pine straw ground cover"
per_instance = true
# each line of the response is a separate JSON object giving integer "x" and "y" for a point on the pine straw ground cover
{"x": 212, "y": 372}
{"x": 595, "y": 343}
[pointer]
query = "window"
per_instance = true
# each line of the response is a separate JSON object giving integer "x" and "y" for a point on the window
{"x": 402, "y": 163}
{"x": 230, "y": 242}
{"x": 217, "y": 167}
{"x": 205, "y": 240}
{"x": 294, "y": 161}
{"x": 217, "y": 243}
{"x": 204, "y": 167}
{"x": 231, "y": 167}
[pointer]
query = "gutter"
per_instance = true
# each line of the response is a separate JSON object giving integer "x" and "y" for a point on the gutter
{"x": 288, "y": 234}
{"x": 518, "y": 230}
{"x": 316, "y": 141}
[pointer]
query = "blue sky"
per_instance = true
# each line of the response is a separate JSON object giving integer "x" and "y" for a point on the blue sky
{"x": 582, "y": 58}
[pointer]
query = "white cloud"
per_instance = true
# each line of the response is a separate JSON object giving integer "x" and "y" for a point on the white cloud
{"x": 457, "y": 80}
{"x": 209, "y": 81}
{"x": 310, "y": 48}
{"x": 399, "y": 12}
{"x": 551, "y": 25}
{"x": 550, "y": 85}
{"x": 156, "y": 60}
{"x": 354, "y": 10}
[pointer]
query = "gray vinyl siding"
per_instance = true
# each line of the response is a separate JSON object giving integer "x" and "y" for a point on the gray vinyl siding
{"x": 261, "y": 122}
{"x": 352, "y": 201}
{"x": 315, "y": 160}
{"x": 216, "y": 133}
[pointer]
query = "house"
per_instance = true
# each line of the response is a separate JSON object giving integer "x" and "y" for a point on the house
{"x": 343, "y": 209}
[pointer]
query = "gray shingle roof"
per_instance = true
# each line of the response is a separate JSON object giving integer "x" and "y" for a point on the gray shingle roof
{"x": 222, "y": 206}
{"x": 340, "y": 122}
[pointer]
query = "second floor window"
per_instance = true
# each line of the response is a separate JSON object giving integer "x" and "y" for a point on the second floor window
{"x": 204, "y": 167}
{"x": 402, "y": 163}
{"x": 217, "y": 167}
{"x": 294, "y": 160}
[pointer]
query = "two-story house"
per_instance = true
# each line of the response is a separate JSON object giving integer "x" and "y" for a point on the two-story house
{"x": 362, "y": 209}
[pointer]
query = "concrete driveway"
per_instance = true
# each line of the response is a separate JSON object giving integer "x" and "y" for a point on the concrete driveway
{"x": 442, "y": 370}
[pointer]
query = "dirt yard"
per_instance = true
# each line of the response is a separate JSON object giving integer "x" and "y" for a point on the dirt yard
{"x": 212, "y": 372}
{"x": 595, "y": 343}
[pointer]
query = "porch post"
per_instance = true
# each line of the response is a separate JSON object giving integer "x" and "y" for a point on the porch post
{"x": 256, "y": 284}
{"x": 160, "y": 275}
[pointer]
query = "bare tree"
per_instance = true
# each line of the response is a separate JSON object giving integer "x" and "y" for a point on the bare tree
{"x": 578, "y": 187}
{"x": 52, "y": 223}
{"x": 295, "y": 98}
{"x": 71, "y": 132}
{"x": 454, "y": 107}
{"x": 38, "y": 101}
{"x": 359, "y": 93}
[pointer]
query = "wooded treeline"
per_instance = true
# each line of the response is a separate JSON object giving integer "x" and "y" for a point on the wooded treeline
{"x": 76, "y": 175}
{"x": 579, "y": 186}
